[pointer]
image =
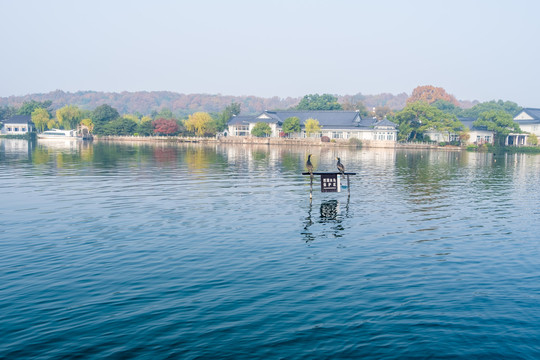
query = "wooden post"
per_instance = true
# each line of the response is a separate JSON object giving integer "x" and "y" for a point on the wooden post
{"x": 348, "y": 185}
{"x": 311, "y": 188}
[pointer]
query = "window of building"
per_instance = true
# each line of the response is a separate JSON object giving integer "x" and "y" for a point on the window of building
{"x": 242, "y": 130}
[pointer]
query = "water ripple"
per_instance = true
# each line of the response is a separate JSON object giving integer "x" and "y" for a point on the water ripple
{"x": 137, "y": 251}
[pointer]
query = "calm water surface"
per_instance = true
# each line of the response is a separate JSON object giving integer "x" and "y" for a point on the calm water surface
{"x": 126, "y": 250}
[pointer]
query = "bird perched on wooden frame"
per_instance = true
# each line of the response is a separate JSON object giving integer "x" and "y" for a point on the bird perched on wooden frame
{"x": 309, "y": 166}
{"x": 340, "y": 166}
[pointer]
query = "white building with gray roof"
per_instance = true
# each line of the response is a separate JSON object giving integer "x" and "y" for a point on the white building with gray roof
{"x": 334, "y": 124}
{"x": 18, "y": 125}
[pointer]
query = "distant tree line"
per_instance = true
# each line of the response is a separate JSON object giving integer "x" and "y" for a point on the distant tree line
{"x": 182, "y": 105}
{"x": 105, "y": 120}
{"x": 428, "y": 108}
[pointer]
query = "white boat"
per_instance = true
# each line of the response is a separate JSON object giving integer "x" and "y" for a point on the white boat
{"x": 59, "y": 134}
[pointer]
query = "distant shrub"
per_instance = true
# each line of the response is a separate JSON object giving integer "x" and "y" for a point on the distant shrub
{"x": 355, "y": 142}
{"x": 484, "y": 147}
{"x": 532, "y": 140}
{"x": 325, "y": 139}
{"x": 521, "y": 149}
{"x": 27, "y": 136}
{"x": 333, "y": 140}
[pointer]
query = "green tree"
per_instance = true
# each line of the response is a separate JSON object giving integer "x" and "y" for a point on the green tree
{"x": 418, "y": 117}
{"x": 28, "y": 107}
{"x": 40, "y": 118}
{"x": 498, "y": 121}
{"x": 88, "y": 123}
{"x": 448, "y": 124}
{"x": 101, "y": 116}
{"x": 52, "y": 124}
{"x": 201, "y": 124}
{"x": 119, "y": 127}
{"x": 447, "y": 107}
{"x": 532, "y": 140}
{"x": 465, "y": 135}
{"x": 291, "y": 125}
{"x": 510, "y": 107}
{"x": 6, "y": 112}
{"x": 164, "y": 113}
{"x": 145, "y": 127}
{"x": 507, "y": 106}
{"x": 132, "y": 117}
{"x": 261, "y": 129}
{"x": 312, "y": 126}
{"x": 69, "y": 116}
{"x": 319, "y": 102}
{"x": 223, "y": 117}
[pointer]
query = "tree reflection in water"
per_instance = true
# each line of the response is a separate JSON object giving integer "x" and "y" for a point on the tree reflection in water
{"x": 329, "y": 216}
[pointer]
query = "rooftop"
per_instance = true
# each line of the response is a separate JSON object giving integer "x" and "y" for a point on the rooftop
{"x": 18, "y": 119}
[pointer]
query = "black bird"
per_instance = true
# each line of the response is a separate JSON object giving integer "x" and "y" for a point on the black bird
{"x": 309, "y": 166}
{"x": 340, "y": 166}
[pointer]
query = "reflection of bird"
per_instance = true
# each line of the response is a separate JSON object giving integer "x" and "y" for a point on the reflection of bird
{"x": 340, "y": 166}
{"x": 309, "y": 166}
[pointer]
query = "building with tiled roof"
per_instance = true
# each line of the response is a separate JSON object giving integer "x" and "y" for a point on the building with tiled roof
{"x": 529, "y": 120}
{"x": 334, "y": 124}
{"x": 18, "y": 125}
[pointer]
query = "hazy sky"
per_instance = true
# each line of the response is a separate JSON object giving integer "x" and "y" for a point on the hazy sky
{"x": 476, "y": 50}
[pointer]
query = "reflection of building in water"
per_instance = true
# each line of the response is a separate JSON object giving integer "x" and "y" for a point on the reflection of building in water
{"x": 252, "y": 156}
{"x": 524, "y": 168}
{"x": 15, "y": 148}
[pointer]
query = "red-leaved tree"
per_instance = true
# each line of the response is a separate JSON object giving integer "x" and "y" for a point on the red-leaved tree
{"x": 430, "y": 94}
{"x": 165, "y": 126}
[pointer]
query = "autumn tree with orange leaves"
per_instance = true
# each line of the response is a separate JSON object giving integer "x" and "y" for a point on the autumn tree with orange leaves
{"x": 430, "y": 94}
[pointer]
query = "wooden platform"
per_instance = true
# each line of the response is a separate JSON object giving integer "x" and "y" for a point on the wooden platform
{"x": 329, "y": 172}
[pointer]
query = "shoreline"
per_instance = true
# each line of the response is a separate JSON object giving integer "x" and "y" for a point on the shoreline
{"x": 280, "y": 142}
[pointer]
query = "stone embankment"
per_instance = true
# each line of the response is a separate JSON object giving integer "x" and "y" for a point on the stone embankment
{"x": 277, "y": 141}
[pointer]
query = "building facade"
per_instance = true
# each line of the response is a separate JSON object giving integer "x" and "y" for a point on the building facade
{"x": 18, "y": 125}
{"x": 529, "y": 122}
{"x": 475, "y": 135}
{"x": 334, "y": 124}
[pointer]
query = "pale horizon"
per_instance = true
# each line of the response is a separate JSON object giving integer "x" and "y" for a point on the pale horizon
{"x": 474, "y": 50}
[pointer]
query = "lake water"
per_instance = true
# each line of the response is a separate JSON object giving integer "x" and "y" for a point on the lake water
{"x": 126, "y": 250}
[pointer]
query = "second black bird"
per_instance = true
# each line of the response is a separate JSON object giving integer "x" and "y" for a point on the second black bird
{"x": 340, "y": 166}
